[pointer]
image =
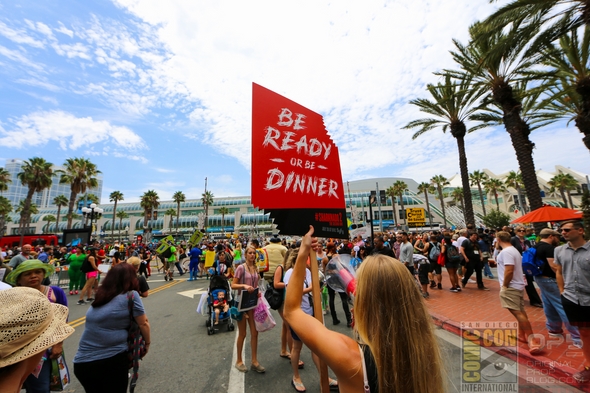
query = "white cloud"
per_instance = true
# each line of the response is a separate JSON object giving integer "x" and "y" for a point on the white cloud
{"x": 19, "y": 36}
{"x": 19, "y": 57}
{"x": 164, "y": 170}
{"x": 70, "y": 132}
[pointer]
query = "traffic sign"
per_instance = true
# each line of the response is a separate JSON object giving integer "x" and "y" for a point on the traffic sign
{"x": 416, "y": 217}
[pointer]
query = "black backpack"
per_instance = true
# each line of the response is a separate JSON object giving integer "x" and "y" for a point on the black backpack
{"x": 273, "y": 296}
{"x": 86, "y": 266}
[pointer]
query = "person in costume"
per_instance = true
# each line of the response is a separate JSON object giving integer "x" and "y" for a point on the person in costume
{"x": 75, "y": 261}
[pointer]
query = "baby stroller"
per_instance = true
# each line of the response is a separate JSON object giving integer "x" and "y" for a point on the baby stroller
{"x": 217, "y": 285}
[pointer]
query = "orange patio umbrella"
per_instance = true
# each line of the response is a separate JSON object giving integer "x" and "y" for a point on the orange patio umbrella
{"x": 549, "y": 213}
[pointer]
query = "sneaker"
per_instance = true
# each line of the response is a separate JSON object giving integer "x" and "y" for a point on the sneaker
{"x": 80, "y": 302}
{"x": 439, "y": 285}
{"x": 483, "y": 288}
{"x": 458, "y": 288}
{"x": 432, "y": 284}
{"x": 583, "y": 376}
{"x": 577, "y": 344}
{"x": 71, "y": 292}
{"x": 425, "y": 295}
{"x": 76, "y": 291}
{"x": 454, "y": 290}
{"x": 90, "y": 299}
{"x": 555, "y": 334}
{"x": 470, "y": 281}
{"x": 165, "y": 278}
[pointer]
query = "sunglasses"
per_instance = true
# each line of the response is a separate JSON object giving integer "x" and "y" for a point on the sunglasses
{"x": 520, "y": 230}
{"x": 566, "y": 230}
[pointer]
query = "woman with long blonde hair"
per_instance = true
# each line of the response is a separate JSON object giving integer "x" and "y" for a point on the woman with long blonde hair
{"x": 246, "y": 279}
{"x": 397, "y": 350}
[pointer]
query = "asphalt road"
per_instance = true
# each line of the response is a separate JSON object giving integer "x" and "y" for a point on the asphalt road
{"x": 183, "y": 358}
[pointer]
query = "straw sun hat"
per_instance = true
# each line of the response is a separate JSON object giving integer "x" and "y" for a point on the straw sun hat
{"x": 29, "y": 324}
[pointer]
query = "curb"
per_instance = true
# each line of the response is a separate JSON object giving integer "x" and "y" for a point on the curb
{"x": 547, "y": 367}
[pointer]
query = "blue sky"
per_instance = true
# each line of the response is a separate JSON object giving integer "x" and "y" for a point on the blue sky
{"x": 158, "y": 94}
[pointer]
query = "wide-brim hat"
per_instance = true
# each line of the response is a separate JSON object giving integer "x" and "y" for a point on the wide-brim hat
{"x": 26, "y": 266}
{"x": 29, "y": 324}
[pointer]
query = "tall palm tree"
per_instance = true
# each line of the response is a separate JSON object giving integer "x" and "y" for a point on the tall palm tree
{"x": 80, "y": 174}
{"x": 223, "y": 211}
{"x": 564, "y": 182}
{"x": 514, "y": 180}
{"x": 496, "y": 63}
{"x": 426, "y": 188}
{"x": 59, "y": 201}
{"x": 477, "y": 178}
{"x": 391, "y": 193}
{"x": 48, "y": 219}
{"x": 36, "y": 174}
{"x": 149, "y": 202}
{"x": 457, "y": 195}
{"x": 121, "y": 215}
{"x": 207, "y": 199}
{"x": 21, "y": 208}
{"x": 171, "y": 212}
{"x": 4, "y": 179}
{"x": 178, "y": 197}
{"x": 89, "y": 197}
{"x": 454, "y": 102}
{"x": 494, "y": 186}
{"x": 439, "y": 182}
{"x": 400, "y": 187}
{"x": 115, "y": 197}
{"x": 5, "y": 209}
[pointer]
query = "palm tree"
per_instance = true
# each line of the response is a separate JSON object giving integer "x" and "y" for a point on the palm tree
{"x": 207, "y": 199}
{"x": 171, "y": 212}
{"x": 496, "y": 62}
{"x": 115, "y": 197}
{"x": 514, "y": 180}
{"x": 90, "y": 197}
{"x": 454, "y": 103}
{"x": 5, "y": 209}
{"x": 36, "y": 175}
{"x": 149, "y": 202}
{"x": 80, "y": 174}
{"x": 478, "y": 178}
{"x": 21, "y": 209}
{"x": 426, "y": 188}
{"x": 400, "y": 188}
{"x": 391, "y": 192}
{"x": 494, "y": 186}
{"x": 121, "y": 215}
{"x": 223, "y": 211}
{"x": 457, "y": 195}
{"x": 439, "y": 182}
{"x": 48, "y": 218}
{"x": 59, "y": 201}
{"x": 178, "y": 197}
{"x": 4, "y": 179}
{"x": 564, "y": 182}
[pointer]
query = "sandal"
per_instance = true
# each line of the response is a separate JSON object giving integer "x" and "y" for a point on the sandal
{"x": 286, "y": 356}
{"x": 298, "y": 386}
{"x": 333, "y": 384}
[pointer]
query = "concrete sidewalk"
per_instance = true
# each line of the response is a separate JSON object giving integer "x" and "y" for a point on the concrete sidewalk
{"x": 558, "y": 362}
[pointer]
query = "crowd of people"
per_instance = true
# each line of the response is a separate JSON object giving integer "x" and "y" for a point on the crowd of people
{"x": 379, "y": 353}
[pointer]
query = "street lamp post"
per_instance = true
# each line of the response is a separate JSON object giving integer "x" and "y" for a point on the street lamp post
{"x": 92, "y": 213}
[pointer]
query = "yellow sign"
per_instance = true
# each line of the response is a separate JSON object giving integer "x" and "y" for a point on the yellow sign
{"x": 165, "y": 243}
{"x": 416, "y": 216}
{"x": 196, "y": 238}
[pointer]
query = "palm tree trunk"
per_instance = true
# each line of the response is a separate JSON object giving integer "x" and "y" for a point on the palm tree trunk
{"x": 120, "y": 225}
{"x": 497, "y": 203}
{"x": 177, "y": 217}
{"x": 583, "y": 118}
{"x": 395, "y": 215}
{"x": 145, "y": 216}
{"x": 428, "y": 208}
{"x": 57, "y": 219}
{"x": 25, "y": 214}
{"x": 442, "y": 204}
{"x": 467, "y": 200}
{"x": 223, "y": 223}
{"x": 114, "y": 217}
{"x": 483, "y": 206}
{"x": 71, "y": 208}
{"x": 562, "y": 192}
{"x": 569, "y": 198}
{"x": 401, "y": 202}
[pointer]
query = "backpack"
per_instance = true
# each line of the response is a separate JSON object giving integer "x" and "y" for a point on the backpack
{"x": 453, "y": 254}
{"x": 86, "y": 266}
{"x": 531, "y": 264}
{"x": 434, "y": 252}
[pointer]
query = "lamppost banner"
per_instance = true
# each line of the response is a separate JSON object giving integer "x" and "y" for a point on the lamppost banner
{"x": 296, "y": 174}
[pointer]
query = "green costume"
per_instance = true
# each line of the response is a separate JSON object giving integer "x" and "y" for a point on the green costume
{"x": 76, "y": 275}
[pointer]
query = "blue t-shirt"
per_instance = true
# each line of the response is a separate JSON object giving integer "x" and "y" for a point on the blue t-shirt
{"x": 105, "y": 334}
{"x": 195, "y": 254}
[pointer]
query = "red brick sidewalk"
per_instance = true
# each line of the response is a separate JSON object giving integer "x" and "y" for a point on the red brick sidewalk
{"x": 559, "y": 360}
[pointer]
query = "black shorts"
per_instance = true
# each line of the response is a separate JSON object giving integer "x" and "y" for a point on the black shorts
{"x": 577, "y": 315}
{"x": 423, "y": 271}
{"x": 435, "y": 267}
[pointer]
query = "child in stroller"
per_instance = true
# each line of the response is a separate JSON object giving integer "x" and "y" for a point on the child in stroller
{"x": 220, "y": 305}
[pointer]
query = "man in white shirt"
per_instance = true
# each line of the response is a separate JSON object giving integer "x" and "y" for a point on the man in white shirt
{"x": 512, "y": 284}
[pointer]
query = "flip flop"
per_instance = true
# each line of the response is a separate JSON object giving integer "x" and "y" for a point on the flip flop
{"x": 333, "y": 384}
{"x": 287, "y": 356}
{"x": 298, "y": 386}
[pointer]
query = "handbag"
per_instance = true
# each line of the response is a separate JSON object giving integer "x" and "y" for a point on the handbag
{"x": 262, "y": 317}
{"x": 441, "y": 259}
{"x": 274, "y": 296}
{"x": 59, "y": 378}
{"x": 136, "y": 348}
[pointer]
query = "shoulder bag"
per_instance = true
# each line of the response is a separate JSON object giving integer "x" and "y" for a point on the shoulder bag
{"x": 274, "y": 296}
{"x": 136, "y": 348}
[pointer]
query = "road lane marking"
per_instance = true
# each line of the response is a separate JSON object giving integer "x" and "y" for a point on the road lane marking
{"x": 191, "y": 293}
{"x": 237, "y": 379}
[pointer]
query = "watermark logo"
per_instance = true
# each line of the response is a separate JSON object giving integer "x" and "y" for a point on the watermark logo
{"x": 482, "y": 368}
